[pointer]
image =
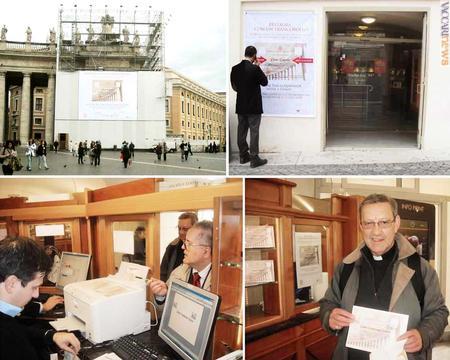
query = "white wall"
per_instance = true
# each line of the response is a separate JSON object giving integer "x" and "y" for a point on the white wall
{"x": 308, "y": 134}
{"x": 149, "y": 125}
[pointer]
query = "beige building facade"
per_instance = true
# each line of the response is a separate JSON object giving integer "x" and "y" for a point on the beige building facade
{"x": 192, "y": 111}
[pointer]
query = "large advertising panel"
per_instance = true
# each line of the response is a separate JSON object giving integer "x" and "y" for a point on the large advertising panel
{"x": 285, "y": 44}
{"x": 108, "y": 95}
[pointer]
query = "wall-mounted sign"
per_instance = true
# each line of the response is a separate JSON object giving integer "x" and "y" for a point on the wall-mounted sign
{"x": 285, "y": 44}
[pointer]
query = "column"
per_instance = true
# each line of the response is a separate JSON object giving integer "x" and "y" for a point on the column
{"x": 50, "y": 109}
{"x": 25, "y": 110}
{"x": 2, "y": 106}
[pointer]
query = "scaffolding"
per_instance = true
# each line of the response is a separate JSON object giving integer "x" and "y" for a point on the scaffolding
{"x": 108, "y": 39}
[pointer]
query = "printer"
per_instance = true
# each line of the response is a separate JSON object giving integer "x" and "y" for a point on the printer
{"x": 111, "y": 307}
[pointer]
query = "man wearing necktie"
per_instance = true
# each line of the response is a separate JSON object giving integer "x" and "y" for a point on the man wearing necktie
{"x": 196, "y": 267}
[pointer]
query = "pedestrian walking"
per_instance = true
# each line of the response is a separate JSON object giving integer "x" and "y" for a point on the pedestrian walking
{"x": 164, "y": 149}
{"x": 42, "y": 154}
{"x": 125, "y": 155}
{"x": 131, "y": 149}
{"x": 55, "y": 146}
{"x": 182, "y": 145}
{"x": 30, "y": 152}
{"x": 98, "y": 152}
{"x": 80, "y": 153}
{"x": 158, "y": 151}
{"x": 7, "y": 156}
{"x": 189, "y": 148}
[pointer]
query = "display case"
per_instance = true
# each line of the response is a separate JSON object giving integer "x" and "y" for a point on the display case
{"x": 262, "y": 271}
{"x": 297, "y": 251}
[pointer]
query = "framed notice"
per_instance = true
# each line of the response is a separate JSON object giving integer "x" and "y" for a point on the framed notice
{"x": 285, "y": 44}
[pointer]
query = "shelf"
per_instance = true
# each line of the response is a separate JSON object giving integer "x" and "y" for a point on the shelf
{"x": 266, "y": 283}
{"x": 232, "y": 314}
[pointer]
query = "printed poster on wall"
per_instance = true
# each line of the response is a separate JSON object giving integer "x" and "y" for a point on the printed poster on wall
{"x": 285, "y": 44}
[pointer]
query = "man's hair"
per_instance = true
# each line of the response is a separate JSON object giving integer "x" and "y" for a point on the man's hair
{"x": 139, "y": 229}
{"x": 24, "y": 258}
{"x": 189, "y": 215}
{"x": 250, "y": 51}
{"x": 205, "y": 236}
{"x": 379, "y": 198}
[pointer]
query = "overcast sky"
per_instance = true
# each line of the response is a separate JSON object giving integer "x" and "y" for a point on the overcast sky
{"x": 195, "y": 34}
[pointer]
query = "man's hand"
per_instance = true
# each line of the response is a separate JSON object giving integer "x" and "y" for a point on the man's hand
{"x": 158, "y": 287}
{"x": 67, "y": 341}
{"x": 339, "y": 318}
{"x": 51, "y": 302}
{"x": 413, "y": 341}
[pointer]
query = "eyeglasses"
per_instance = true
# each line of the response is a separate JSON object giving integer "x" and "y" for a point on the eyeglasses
{"x": 382, "y": 224}
{"x": 188, "y": 244}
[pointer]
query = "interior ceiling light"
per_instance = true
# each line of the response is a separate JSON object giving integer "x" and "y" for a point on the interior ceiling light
{"x": 363, "y": 27}
{"x": 368, "y": 19}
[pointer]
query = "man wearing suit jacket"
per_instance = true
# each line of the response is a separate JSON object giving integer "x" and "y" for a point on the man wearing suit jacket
{"x": 247, "y": 79}
{"x": 196, "y": 267}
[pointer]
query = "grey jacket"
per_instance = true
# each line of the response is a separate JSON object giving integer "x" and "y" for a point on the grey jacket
{"x": 430, "y": 324}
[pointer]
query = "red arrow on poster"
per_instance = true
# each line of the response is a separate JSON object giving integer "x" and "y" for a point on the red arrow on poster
{"x": 261, "y": 60}
{"x": 303, "y": 60}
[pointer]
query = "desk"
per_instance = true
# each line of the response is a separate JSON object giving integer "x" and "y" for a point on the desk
{"x": 149, "y": 337}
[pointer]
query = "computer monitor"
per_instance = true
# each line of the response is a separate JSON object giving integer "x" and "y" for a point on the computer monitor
{"x": 188, "y": 319}
{"x": 73, "y": 268}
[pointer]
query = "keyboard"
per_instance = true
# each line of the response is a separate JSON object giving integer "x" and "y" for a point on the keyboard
{"x": 128, "y": 347}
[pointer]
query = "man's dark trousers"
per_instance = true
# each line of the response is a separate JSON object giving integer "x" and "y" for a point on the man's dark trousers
{"x": 246, "y": 122}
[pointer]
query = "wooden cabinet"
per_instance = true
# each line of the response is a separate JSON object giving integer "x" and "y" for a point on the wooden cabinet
{"x": 227, "y": 274}
{"x": 281, "y": 315}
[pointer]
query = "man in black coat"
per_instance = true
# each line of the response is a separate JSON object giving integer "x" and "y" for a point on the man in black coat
{"x": 173, "y": 257}
{"x": 23, "y": 265}
{"x": 247, "y": 79}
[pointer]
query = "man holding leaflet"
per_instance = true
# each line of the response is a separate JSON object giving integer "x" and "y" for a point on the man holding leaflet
{"x": 196, "y": 267}
{"x": 380, "y": 274}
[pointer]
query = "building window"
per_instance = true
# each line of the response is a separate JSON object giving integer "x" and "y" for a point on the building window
{"x": 38, "y": 121}
{"x": 167, "y": 105}
{"x": 203, "y": 112}
{"x": 182, "y": 123}
{"x": 198, "y": 110}
{"x": 193, "y": 109}
{"x": 167, "y": 123}
{"x": 182, "y": 107}
{"x": 193, "y": 138}
{"x": 38, "y": 104}
{"x": 193, "y": 125}
{"x": 16, "y": 104}
{"x": 189, "y": 124}
{"x": 189, "y": 108}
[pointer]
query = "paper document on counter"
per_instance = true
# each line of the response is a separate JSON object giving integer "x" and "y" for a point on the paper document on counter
{"x": 69, "y": 324}
{"x": 374, "y": 330}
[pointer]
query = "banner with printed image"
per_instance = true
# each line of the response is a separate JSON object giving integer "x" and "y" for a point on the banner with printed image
{"x": 285, "y": 44}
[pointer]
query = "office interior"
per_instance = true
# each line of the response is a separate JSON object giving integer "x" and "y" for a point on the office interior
{"x": 281, "y": 308}
{"x": 95, "y": 216}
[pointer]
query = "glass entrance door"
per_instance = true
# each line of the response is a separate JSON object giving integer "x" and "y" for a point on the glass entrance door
{"x": 370, "y": 85}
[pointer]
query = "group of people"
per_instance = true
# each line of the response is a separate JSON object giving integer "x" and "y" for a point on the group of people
{"x": 93, "y": 151}
{"x": 212, "y": 148}
{"x": 161, "y": 149}
{"x": 185, "y": 149}
{"x": 127, "y": 153}
{"x": 24, "y": 265}
{"x": 11, "y": 162}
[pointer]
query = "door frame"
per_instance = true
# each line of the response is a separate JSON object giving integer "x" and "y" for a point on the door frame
{"x": 424, "y": 66}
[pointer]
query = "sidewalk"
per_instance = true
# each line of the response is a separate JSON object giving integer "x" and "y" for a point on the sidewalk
{"x": 387, "y": 161}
